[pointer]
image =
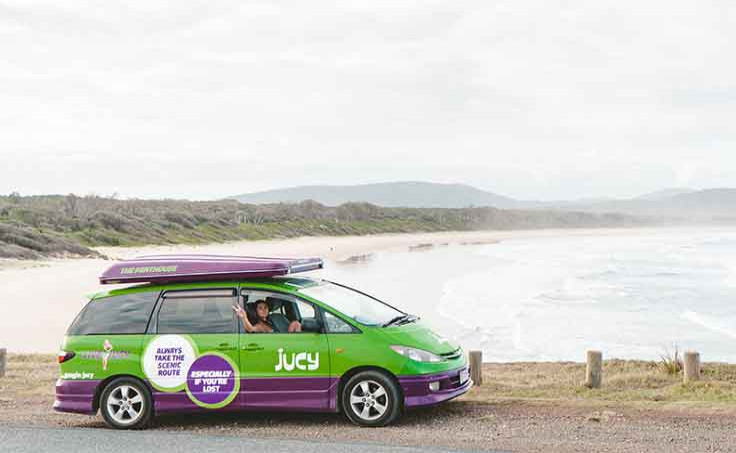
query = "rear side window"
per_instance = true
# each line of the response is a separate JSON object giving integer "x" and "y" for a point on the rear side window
{"x": 126, "y": 314}
{"x": 197, "y": 312}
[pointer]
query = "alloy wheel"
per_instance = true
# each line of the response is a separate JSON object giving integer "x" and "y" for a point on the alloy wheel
{"x": 125, "y": 404}
{"x": 368, "y": 400}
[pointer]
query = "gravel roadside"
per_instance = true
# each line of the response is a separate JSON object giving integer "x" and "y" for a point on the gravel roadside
{"x": 455, "y": 425}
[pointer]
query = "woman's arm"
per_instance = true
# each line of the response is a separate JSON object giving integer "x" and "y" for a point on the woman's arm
{"x": 240, "y": 313}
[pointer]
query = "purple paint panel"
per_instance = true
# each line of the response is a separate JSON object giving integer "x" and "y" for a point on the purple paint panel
{"x": 174, "y": 402}
{"x": 417, "y": 392}
{"x": 75, "y": 396}
{"x": 292, "y": 393}
{"x": 187, "y": 268}
{"x": 311, "y": 394}
{"x": 166, "y": 402}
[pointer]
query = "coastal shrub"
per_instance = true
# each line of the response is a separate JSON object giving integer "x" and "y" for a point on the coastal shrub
{"x": 110, "y": 220}
{"x": 29, "y": 216}
{"x": 92, "y": 220}
{"x": 14, "y": 237}
{"x": 105, "y": 237}
{"x": 17, "y": 252}
{"x": 23, "y": 241}
{"x": 670, "y": 362}
{"x": 21, "y": 236}
{"x": 181, "y": 219}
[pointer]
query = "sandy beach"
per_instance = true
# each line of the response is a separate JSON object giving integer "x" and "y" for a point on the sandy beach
{"x": 40, "y": 298}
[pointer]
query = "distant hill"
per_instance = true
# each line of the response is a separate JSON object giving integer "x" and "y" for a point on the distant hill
{"x": 413, "y": 194}
{"x": 673, "y": 203}
{"x": 698, "y": 205}
{"x": 665, "y": 193}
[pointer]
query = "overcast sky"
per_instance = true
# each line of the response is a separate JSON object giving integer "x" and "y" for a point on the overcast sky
{"x": 530, "y": 99}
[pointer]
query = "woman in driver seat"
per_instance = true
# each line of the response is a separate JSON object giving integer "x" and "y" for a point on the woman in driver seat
{"x": 264, "y": 323}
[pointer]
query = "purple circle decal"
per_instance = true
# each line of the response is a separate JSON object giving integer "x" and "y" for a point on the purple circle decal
{"x": 211, "y": 380}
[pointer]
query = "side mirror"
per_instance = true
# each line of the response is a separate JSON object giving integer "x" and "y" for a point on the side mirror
{"x": 311, "y": 325}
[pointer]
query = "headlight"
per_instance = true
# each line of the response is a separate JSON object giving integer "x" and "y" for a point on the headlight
{"x": 418, "y": 355}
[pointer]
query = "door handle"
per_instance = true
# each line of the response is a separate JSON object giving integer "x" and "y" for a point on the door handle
{"x": 225, "y": 347}
{"x": 252, "y": 347}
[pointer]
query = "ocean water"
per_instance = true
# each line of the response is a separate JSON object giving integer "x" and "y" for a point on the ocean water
{"x": 632, "y": 295}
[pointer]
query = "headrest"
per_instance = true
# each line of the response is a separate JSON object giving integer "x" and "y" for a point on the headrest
{"x": 274, "y": 303}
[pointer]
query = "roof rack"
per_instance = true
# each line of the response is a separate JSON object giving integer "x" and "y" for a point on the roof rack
{"x": 189, "y": 268}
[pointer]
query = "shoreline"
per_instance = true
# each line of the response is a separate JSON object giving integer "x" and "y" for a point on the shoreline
{"x": 337, "y": 248}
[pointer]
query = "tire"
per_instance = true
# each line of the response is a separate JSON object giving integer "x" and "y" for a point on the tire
{"x": 126, "y": 403}
{"x": 372, "y": 399}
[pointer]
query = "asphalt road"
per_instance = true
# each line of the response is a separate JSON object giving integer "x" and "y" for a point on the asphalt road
{"x": 83, "y": 440}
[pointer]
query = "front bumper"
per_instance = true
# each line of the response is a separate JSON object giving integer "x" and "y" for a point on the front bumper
{"x": 417, "y": 392}
{"x": 75, "y": 396}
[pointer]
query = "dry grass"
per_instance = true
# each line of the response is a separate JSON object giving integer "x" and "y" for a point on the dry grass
{"x": 625, "y": 383}
{"x": 28, "y": 377}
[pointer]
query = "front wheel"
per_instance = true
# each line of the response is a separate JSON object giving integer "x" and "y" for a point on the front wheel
{"x": 125, "y": 403}
{"x": 370, "y": 398}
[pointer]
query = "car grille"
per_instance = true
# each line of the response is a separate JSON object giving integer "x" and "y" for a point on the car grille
{"x": 451, "y": 382}
{"x": 452, "y": 355}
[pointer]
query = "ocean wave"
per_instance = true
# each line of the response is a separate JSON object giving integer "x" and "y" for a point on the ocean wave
{"x": 553, "y": 299}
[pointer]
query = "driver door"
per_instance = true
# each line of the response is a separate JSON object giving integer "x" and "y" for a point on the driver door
{"x": 284, "y": 370}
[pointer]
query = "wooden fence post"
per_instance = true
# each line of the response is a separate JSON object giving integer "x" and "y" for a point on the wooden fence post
{"x": 594, "y": 369}
{"x": 691, "y": 368}
{"x": 3, "y": 360}
{"x": 476, "y": 367}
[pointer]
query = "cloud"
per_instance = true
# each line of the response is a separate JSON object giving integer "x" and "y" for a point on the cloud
{"x": 507, "y": 95}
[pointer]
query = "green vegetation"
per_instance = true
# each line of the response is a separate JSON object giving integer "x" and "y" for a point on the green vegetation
{"x": 670, "y": 362}
{"x": 55, "y": 225}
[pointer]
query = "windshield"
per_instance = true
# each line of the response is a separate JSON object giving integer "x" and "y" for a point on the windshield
{"x": 362, "y": 308}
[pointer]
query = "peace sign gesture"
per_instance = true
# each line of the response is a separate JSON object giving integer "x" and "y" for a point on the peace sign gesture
{"x": 239, "y": 312}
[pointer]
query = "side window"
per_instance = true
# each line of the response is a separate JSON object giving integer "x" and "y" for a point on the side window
{"x": 286, "y": 313}
{"x": 305, "y": 310}
{"x": 125, "y": 314}
{"x": 208, "y": 311}
{"x": 337, "y": 325}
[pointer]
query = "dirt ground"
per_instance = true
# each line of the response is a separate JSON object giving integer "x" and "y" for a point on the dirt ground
{"x": 519, "y": 407}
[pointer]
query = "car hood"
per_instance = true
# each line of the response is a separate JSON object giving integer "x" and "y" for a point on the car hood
{"x": 418, "y": 335}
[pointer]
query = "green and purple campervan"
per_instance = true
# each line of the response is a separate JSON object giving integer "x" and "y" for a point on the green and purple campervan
{"x": 173, "y": 343}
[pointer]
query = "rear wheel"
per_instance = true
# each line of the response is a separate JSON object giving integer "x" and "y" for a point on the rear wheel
{"x": 125, "y": 403}
{"x": 370, "y": 398}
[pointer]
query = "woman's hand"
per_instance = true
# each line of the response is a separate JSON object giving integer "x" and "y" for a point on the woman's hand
{"x": 239, "y": 312}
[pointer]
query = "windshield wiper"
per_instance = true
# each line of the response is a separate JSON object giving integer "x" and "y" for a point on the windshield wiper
{"x": 394, "y": 320}
{"x": 399, "y": 320}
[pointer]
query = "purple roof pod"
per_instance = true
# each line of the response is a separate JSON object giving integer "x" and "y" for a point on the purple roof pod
{"x": 187, "y": 268}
